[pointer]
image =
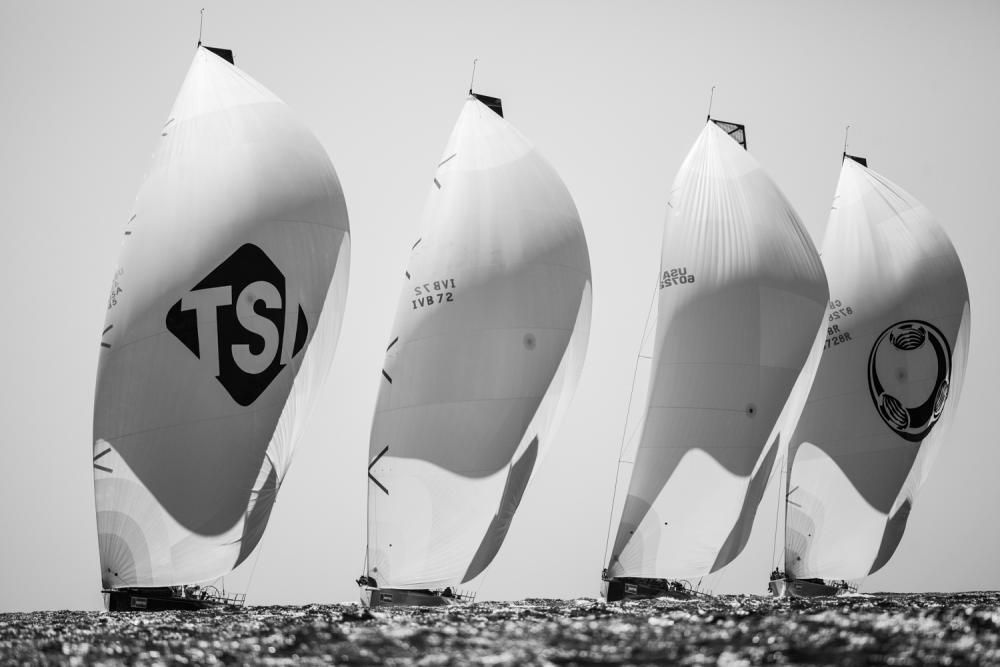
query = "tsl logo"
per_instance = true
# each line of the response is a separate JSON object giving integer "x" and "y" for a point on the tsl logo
{"x": 237, "y": 320}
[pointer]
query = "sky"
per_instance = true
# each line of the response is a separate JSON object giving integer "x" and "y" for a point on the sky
{"x": 613, "y": 95}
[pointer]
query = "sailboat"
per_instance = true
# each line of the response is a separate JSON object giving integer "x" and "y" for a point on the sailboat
{"x": 741, "y": 292}
{"x": 891, "y": 362}
{"x": 481, "y": 362}
{"x": 223, "y": 316}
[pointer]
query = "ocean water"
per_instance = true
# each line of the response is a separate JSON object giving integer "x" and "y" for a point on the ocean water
{"x": 880, "y": 629}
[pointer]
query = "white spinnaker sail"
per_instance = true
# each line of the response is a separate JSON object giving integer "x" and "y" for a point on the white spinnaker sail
{"x": 483, "y": 358}
{"x": 893, "y": 362}
{"x": 221, "y": 325}
{"x": 742, "y": 292}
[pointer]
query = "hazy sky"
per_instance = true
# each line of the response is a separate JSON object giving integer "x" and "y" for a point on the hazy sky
{"x": 613, "y": 94}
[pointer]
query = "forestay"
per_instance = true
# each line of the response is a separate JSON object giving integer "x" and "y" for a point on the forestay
{"x": 896, "y": 342}
{"x": 741, "y": 294}
{"x": 482, "y": 360}
{"x": 221, "y": 324}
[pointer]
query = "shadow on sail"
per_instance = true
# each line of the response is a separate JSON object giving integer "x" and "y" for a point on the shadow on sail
{"x": 517, "y": 482}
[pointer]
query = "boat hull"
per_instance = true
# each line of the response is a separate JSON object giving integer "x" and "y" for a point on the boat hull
{"x": 778, "y": 587}
{"x": 400, "y": 597}
{"x": 634, "y": 588}
{"x": 156, "y": 600}
{"x": 800, "y": 588}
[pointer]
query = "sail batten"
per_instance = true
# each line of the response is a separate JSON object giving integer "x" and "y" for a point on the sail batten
{"x": 224, "y": 313}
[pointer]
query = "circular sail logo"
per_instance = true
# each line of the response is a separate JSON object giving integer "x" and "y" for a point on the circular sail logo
{"x": 238, "y": 321}
{"x": 909, "y": 375}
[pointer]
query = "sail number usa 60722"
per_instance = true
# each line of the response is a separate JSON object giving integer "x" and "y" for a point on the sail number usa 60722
{"x": 678, "y": 276}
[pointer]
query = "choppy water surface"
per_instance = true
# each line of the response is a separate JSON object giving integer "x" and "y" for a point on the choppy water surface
{"x": 880, "y": 629}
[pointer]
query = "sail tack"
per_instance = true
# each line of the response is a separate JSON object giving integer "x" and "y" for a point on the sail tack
{"x": 893, "y": 360}
{"x": 222, "y": 320}
{"x": 484, "y": 355}
{"x": 741, "y": 294}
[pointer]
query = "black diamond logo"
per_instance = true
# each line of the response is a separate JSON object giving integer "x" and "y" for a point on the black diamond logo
{"x": 235, "y": 320}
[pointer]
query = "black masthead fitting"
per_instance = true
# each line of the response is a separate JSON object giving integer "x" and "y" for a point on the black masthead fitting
{"x": 225, "y": 54}
{"x": 492, "y": 102}
{"x": 857, "y": 158}
{"x": 735, "y": 130}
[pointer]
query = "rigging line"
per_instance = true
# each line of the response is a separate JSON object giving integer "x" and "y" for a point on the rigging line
{"x": 707, "y": 583}
{"x": 473, "y": 79}
{"x": 256, "y": 561}
{"x": 711, "y": 96}
{"x": 621, "y": 450}
{"x": 786, "y": 473}
{"x": 368, "y": 534}
{"x": 777, "y": 511}
{"x": 201, "y": 24}
{"x": 846, "y": 132}
{"x": 260, "y": 543}
{"x": 718, "y": 582}
{"x": 482, "y": 578}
